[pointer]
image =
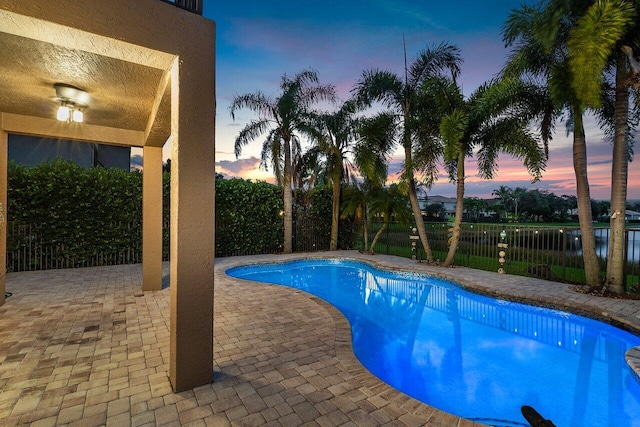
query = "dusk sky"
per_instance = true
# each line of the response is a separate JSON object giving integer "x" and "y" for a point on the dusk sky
{"x": 259, "y": 41}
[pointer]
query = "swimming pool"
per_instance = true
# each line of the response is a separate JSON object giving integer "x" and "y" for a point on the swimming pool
{"x": 469, "y": 355}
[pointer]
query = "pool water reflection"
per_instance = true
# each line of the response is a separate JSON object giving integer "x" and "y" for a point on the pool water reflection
{"x": 469, "y": 355}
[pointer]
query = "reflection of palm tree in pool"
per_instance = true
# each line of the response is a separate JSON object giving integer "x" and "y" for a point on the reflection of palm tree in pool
{"x": 587, "y": 350}
{"x": 615, "y": 358}
{"x": 414, "y": 316}
{"x": 409, "y": 308}
{"x": 452, "y": 360}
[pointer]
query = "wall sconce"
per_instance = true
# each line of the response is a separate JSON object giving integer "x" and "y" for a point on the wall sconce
{"x": 72, "y": 101}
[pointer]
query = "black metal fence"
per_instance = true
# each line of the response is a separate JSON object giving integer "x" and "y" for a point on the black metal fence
{"x": 549, "y": 252}
{"x": 552, "y": 253}
{"x": 29, "y": 250}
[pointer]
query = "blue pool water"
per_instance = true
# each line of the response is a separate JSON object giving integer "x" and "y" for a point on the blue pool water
{"x": 469, "y": 355}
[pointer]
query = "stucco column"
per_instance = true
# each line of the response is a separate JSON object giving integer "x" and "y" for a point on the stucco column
{"x": 152, "y": 218}
{"x": 192, "y": 220}
{"x": 3, "y": 224}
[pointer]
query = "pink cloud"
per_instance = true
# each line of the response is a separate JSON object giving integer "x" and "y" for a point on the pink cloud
{"x": 237, "y": 167}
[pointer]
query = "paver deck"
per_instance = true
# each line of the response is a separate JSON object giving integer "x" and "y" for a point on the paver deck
{"x": 86, "y": 347}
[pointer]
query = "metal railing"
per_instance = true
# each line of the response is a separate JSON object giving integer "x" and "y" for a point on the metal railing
{"x": 28, "y": 250}
{"x": 552, "y": 253}
{"x": 549, "y": 252}
{"x": 194, "y": 6}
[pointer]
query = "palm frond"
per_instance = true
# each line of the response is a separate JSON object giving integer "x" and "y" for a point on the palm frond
{"x": 256, "y": 102}
{"x": 519, "y": 22}
{"x": 591, "y": 43}
{"x": 251, "y": 131}
{"x": 439, "y": 60}
{"x": 271, "y": 154}
{"x": 509, "y": 136}
{"x": 453, "y": 128}
{"x": 379, "y": 133}
{"x": 425, "y": 159}
{"x": 378, "y": 86}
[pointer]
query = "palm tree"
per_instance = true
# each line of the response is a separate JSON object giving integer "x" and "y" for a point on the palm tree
{"x": 474, "y": 206}
{"x": 595, "y": 46}
{"x": 504, "y": 195}
{"x": 538, "y": 37}
{"x": 369, "y": 155}
{"x": 388, "y": 203}
{"x": 491, "y": 121}
{"x": 281, "y": 118}
{"x": 335, "y": 140}
{"x": 308, "y": 169}
{"x": 416, "y": 132}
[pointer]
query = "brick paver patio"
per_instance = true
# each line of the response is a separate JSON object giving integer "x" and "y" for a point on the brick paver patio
{"x": 86, "y": 347}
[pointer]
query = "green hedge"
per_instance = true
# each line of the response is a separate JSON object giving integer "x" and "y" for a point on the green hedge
{"x": 248, "y": 217}
{"x": 64, "y": 215}
{"x": 76, "y": 213}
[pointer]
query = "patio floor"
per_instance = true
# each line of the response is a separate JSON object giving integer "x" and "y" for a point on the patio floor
{"x": 86, "y": 347}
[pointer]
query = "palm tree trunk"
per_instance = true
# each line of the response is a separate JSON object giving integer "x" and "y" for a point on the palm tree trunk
{"x": 415, "y": 206}
{"x": 335, "y": 213}
{"x": 589, "y": 257}
{"x": 615, "y": 259}
{"x": 453, "y": 246}
{"x": 377, "y": 236}
{"x": 288, "y": 199}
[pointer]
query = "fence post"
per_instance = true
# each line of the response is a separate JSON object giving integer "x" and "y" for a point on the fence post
{"x": 563, "y": 250}
{"x": 625, "y": 257}
{"x": 387, "y": 236}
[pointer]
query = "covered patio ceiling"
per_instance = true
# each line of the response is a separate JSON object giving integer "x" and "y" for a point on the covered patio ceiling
{"x": 128, "y": 86}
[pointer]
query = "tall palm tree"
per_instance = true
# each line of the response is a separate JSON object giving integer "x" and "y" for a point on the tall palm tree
{"x": 538, "y": 38}
{"x": 335, "y": 140}
{"x": 492, "y": 120}
{"x": 417, "y": 133}
{"x": 281, "y": 118}
{"x": 594, "y": 47}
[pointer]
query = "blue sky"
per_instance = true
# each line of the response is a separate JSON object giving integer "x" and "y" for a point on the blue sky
{"x": 259, "y": 41}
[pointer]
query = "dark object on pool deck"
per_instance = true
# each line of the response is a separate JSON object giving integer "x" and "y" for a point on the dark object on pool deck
{"x": 534, "y": 418}
{"x": 7, "y": 294}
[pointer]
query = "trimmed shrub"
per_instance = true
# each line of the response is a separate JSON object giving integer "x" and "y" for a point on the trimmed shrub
{"x": 64, "y": 215}
{"x": 76, "y": 213}
{"x": 248, "y": 217}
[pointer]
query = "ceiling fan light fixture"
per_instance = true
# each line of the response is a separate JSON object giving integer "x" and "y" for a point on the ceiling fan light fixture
{"x": 72, "y": 100}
